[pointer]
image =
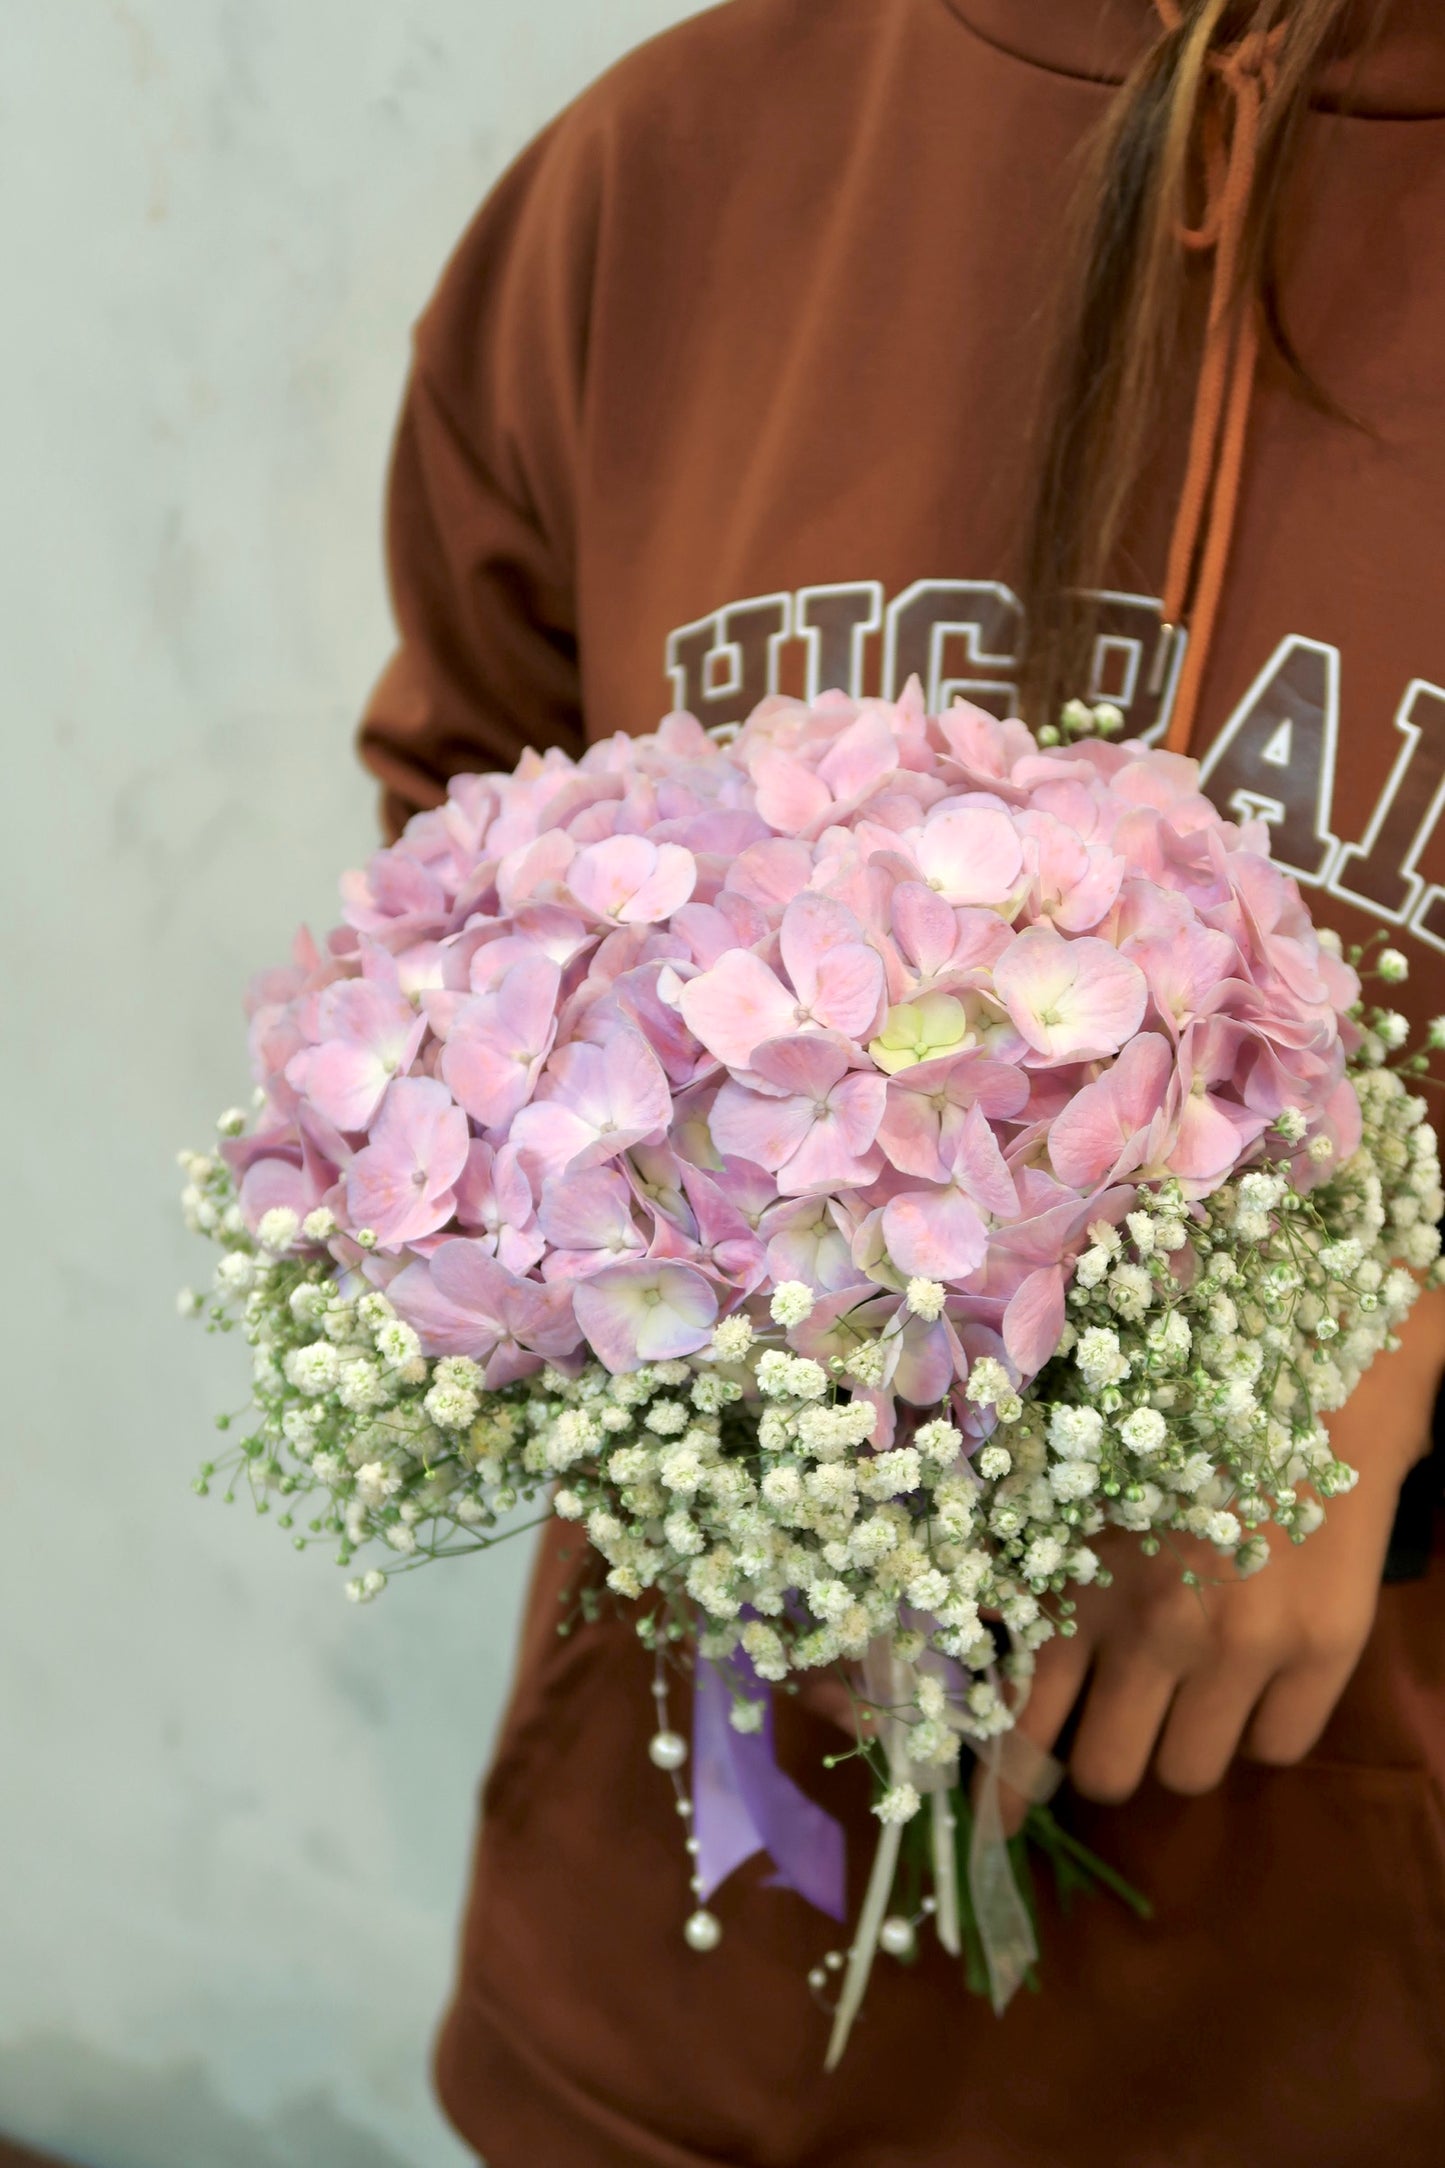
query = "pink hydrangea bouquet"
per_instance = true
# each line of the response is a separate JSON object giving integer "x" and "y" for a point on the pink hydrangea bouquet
{"x": 842, "y": 1165}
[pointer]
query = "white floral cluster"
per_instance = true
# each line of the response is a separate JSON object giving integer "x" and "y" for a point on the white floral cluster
{"x": 740, "y": 1493}
{"x": 395, "y": 1449}
{"x": 740, "y": 1485}
{"x": 1189, "y": 1401}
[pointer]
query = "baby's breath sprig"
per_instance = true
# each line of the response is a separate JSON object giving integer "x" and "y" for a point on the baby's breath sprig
{"x": 741, "y": 1497}
{"x": 1083, "y": 719}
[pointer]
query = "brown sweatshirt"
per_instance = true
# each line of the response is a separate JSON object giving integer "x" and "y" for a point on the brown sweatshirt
{"x": 727, "y": 389}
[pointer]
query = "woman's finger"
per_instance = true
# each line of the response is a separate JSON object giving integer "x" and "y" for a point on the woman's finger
{"x": 1296, "y": 1708}
{"x": 1060, "y": 1669}
{"x": 1127, "y": 1704}
{"x": 1059, "y": 1675}
{"x": 1206, "y": 1722}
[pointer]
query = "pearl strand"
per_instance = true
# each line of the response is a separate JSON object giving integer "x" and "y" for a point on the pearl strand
{"x": 898, "y": 1936}
{"x": 667, "y": 1750}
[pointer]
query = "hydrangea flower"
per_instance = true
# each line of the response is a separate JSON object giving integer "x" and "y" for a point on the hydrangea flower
{"x": 867, "y": 1000}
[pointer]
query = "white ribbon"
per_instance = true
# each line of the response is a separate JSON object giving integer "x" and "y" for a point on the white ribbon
{"x": 1005, "y": 1929}
{"x": 945, "y": 1871}
{"x": 888, "y": 1685}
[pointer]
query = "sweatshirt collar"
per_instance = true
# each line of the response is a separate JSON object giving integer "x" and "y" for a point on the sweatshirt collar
{"x": 1402, "y": 77}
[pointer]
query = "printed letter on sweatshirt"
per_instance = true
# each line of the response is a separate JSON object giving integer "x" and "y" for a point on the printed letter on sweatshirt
{"x": 979, "y": 620}
{"x": 1274, "y": 760}
{"x": 1381, "y": 870}
{"x": 834, "y": 624}
{"x": 723, "y": 665}
{"x": 1126, "y": 643}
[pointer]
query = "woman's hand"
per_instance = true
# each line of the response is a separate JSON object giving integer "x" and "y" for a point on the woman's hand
{"x": 1185, "y": 1678}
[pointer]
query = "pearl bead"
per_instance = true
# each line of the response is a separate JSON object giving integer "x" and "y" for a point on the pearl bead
{"x": 817, "y": 1979}
{"x": 896, "y": 1937}
{"x": 929, "y": 1905}
{"x": 684, "y": 1808}
{"x": 834, "y": 1960}
{"x": 667, "y": 1750}
{"x": 702, "y": 1932}
{"x": 692, "y": 1846}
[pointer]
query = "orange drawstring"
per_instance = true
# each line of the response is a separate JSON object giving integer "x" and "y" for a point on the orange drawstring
{"x": 1210, "y": 496}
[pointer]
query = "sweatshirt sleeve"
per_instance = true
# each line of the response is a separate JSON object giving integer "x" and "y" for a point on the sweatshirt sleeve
{"x": 481, "y": 495}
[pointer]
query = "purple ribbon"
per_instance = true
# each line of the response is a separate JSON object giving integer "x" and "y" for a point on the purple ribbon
{"x": 744, "y": 1803}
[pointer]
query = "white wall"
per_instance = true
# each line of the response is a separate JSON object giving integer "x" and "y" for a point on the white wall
{"x": 234, "y": 1812}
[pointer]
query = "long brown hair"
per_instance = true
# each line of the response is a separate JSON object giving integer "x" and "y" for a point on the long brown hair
{"x": 1116, "y": 339}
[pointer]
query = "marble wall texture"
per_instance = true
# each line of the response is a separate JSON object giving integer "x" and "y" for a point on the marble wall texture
{"x": 234, "y": 1812}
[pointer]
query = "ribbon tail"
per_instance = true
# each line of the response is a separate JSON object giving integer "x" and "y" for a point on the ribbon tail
{"x": 744, "y": 1803}
{"x": 725, "y": 1831}
{"x": 1004, "y": 1926}
{"x": 865, "y": 1942}
{"x": 945, "y": 1872}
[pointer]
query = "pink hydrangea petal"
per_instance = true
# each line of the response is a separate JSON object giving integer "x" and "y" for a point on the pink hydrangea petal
{"x": 1207, "y": 1142}
{"x": 978, "y": 1167}
{"x": 809, "y": 1062}
{"x": 770, "y": 874}
{"x": 497, "y": 1041}
{"x": 1091, "y": 897}
{"x": 935, "y": 1234}
{"x": 526, "y": 1001}
{"x": 363, "y": 1010}
{"x": 1184, "y": 969}
{"x": 344, "y": 1081}
{"x": 708, "y": 932}
{"x": 1342, "y": 1118}
{"x": 747, "y": 1125}
{"x": 1034, "y": 1320}
{"x": 805, "y": 1243}
{"x": 446, "y": 1317}
{"x": 645, "y": 1312}
{"x": 927, "y": 1362}
{"x": 465, "y": 1273}
{"x": 400, "y": 1183}
{"x": 661, "y": 1023}
{"x": 857, "y": 1103}
{"x": 591, "y": 1211}
{"x": 849, "y": 991}
{"x": 790, "y": 797}
{"x": 1093, "y": 1136}
{"x": 604, "y": 876}
{"x": 520, "y": 1247}
{"x": 617, "y": 1090}
{"x": 637, "y": 1088}
{"x": 811, "y": 925}
{"x": 535, "y": 871}
{"x": 507, "y": 1363}
{"x": 272, "y": 1183}
{"x": 861, "y": 759}
{"x": 541, "y": 1318}
{"x": 925, "y": 925}
{"x": 909, "y": 1133}
{"x": 825, "y": 1157}
{"x": 549, "y": 1136}
{"x": 1070, "y": 1000}
{"x": 484, "y": 1072}
{"x": 631, "y": 880}
{"x": 971, "y": 856}
{"x": 737, "y": 1004}
{"x": 667, "y": 889}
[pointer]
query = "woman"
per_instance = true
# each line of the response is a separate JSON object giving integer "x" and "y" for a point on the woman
{"x": 734, "y": 386}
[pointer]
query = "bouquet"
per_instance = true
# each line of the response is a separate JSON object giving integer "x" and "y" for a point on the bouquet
{"x": 844, "y": 1165}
